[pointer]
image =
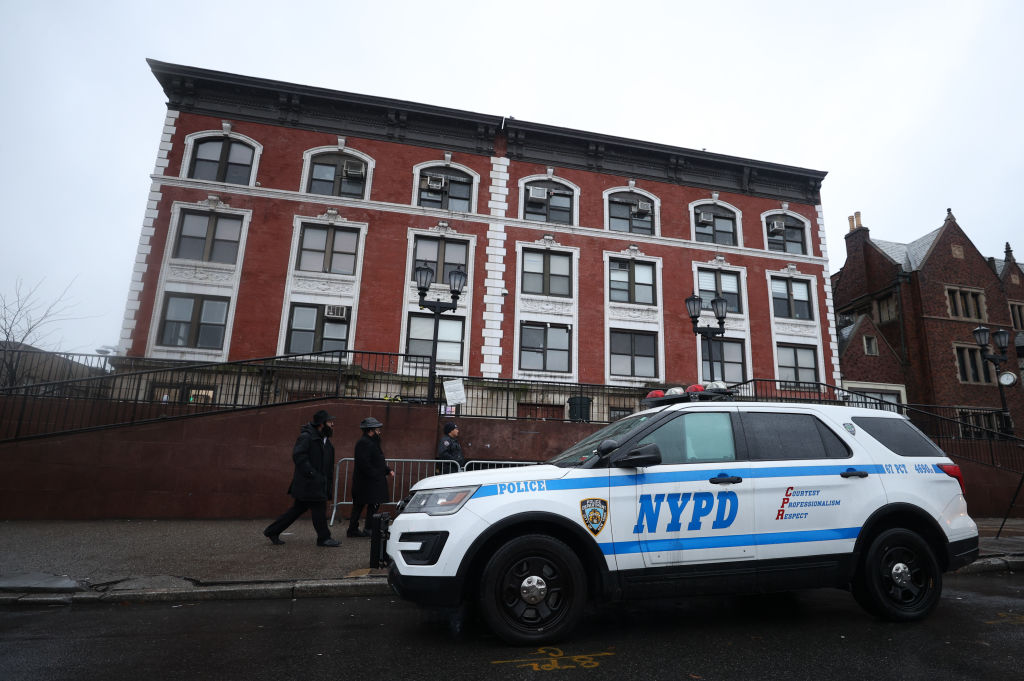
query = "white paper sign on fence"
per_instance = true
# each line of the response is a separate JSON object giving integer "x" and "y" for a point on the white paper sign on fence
{"x": 454, "y": 392}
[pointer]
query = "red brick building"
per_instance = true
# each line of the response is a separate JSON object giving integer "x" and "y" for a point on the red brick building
{"x": 288, "y": 219}
{"x": 907, "y": 313}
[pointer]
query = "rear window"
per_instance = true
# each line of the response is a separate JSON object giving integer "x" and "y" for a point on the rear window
{"x": 775, "y": 436}
{"x": 899, "y": 436}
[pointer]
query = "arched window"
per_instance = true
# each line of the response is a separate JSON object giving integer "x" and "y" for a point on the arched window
{"x": 337, "y": 174}
{"x": 786, "y": 233}
{"x": 715, "y": 224}
{"x": 221, "y": 159}
{"x": 548, "y": 201}
{"x": 446, "y": 188}
{"x": 630, "y": 212}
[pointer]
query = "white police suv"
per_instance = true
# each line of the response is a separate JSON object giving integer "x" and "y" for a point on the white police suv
{"x": 692, "y": 498}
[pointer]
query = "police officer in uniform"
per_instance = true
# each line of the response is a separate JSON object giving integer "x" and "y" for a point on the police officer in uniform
{"x": 449, "y": 449}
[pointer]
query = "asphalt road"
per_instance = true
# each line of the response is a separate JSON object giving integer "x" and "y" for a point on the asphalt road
{"x": 976, "y": 633}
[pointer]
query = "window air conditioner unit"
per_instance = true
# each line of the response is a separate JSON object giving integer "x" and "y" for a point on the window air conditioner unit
{"x": 336, "y": 312}
{"x": 434, "y": 182}
{"x": 706, "y": 217}
{"x": 538, "y": 194}
{"x": 776, "y": 227}
{"x": 354, "y": 169}
{"x": 642, "y": 208}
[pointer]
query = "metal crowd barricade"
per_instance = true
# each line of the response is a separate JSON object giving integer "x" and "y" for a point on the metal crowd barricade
{"x": 488, "y": 465}
{"x": 407, "y": 473}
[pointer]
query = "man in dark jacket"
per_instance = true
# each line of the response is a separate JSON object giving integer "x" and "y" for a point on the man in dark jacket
{"x": 313, "y": 455}
{"x": 369, "y": 477}
{"x": 449, "y": 449}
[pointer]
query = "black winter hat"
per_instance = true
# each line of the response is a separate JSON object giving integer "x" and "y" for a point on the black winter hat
{"x": 369, "y": 423}
{"x": 321, "y": 417}
{"x": 449, "y": 427}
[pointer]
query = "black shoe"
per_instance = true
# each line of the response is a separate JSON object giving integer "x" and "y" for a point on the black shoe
{"x": 329, "y": 543}
{"x": 357, "y": 534}
{"x": 274, "y": 538}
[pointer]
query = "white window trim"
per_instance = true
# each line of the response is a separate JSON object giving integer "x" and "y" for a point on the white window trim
{"x": 865, "y": 386}
{"x": 535, "y": 308}
{"x": 321, "y": 288}
{"x": 307, "y": 165}
{"x": 426, "y": 165}
{"x": 693, "y": 206}
{"x": 655, "y": 202}
{"x": 438, "y": 291}
{"x": 193, "y": 138}
{"x": 196, "y": 277}
{"x": 789, "y": 331}
{"x": 554, "y": 178}
{"x": 808, "y": 242}
{"x": 633, "y": 317}
{"x": 737, "y": 325}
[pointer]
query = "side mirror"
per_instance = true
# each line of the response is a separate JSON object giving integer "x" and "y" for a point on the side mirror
{"x": 607, "y": 446}
{"x": 641, "y": 457}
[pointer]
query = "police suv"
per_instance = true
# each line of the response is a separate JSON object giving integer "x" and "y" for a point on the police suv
{"x": 692, "y": 498}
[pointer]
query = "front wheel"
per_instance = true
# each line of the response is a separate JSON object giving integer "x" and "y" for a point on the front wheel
{"x": 533, "y": 590}
{"x": 900, "y": 579}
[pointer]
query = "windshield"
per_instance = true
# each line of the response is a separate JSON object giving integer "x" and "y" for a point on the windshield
{"x": 587, "y": 447}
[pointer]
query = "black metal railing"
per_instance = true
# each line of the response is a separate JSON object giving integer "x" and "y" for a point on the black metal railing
{"x": 157, "y": 391}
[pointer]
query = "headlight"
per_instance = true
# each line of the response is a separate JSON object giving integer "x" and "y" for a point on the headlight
{"x": 439, "y": 501}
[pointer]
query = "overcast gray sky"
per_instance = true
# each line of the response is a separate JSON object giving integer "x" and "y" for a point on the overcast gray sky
{"x": 911, "y": 106}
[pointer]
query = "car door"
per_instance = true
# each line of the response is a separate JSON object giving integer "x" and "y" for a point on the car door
{"x": 697, "y": 505}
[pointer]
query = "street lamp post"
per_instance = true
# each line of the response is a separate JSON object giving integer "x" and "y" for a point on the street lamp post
{"x": 1001, "y": 339}
{"x": 456, "y": 282}
{"x": 719, "y": 306}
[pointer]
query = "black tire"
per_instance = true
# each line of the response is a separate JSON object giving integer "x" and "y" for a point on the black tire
{"x": 900, "y": 579}
{"x": 533, "y": 590}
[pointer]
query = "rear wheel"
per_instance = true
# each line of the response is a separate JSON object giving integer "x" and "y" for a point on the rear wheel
{"x": 900, "y": 579}
{"x": 533, "y": 590}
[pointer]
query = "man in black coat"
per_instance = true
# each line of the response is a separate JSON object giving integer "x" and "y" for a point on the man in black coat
{"x": 449, "y": 449}
{"x": 369, "y": 477}
{"x": 313, "y": 455}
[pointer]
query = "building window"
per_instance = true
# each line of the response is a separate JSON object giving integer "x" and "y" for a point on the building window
{"x": 630, "y": 212}
{"x": 886, "y": 309}
{"x": 971, "y": 367}
{"x": 547, "y": 201}
{"x": 449, "y": 338}
{"x": 630, "y": 281}
{"x": 328, "y": 249}
{"x": 194, "y": 321}
{"x": 715, "y": 225}
{"x": 875, "y": 399}
{"x": 791, "y": 298}
{"x": 222, "y": 160}
{"x": 870, "y": 345}
{"x": 334, "y": 174}
{"x": 1017, "y": 315}
{"x": 210, "y": 237}
{"x": 616, "y": 413}
{"x": 716, "y": 283}
{"x": 966, "y": 303}
{"x": 728, "y": 357}
{"x": 786, "y": 234}
{"x": 547, "y": 274}
{"x": 441, "y": 255}
{"x": 978, "y": 425}
{"x": 445, "y": 188}
{"x": 317, "y": 328}
{"x": 798, "y": 364}
{"x": 634, "y": 354}
{"x": 544, "y": 347}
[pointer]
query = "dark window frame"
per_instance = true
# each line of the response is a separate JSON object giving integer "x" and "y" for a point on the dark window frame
{"x": 707, "y": 350}
{"x": 795, "y": 232}
{"x": 210, "y": 240}
{"x": 224, "y": 164}
{"x": 963, "y": 302}
{"x": 318, "y": 331}
{"x": 554, "y": 189}
{"x": 445, "y": 319}
{"x": 631, "y": 284}
{"x": 714, "y": 233}
{"x": 444, "y": 198}
{"x": 797, "y": 382}
{"x": 546, "y": 275}
{"x": 545, "y": 349}
{"x": 790, "y": 311}
{"x": 735, "y": 306}
{"x": 195, "y": 325}
{"x": 971, "y": 366}
{"x": 327, "y": 259}
{"x": 635, "y": 223}
{"x": 633, "y": 335}
{"x": 441, "y": 264}
{"x": 340, "y": 183}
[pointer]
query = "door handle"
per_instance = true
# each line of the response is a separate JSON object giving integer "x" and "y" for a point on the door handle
{"x": 851, "y": 473}
{"x": 725, "y": 480}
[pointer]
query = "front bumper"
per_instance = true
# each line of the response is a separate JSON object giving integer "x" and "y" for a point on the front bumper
{"x": 429, "y": 591}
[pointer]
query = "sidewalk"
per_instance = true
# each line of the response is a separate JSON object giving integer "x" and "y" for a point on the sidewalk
{"x": 57, "y": 562}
